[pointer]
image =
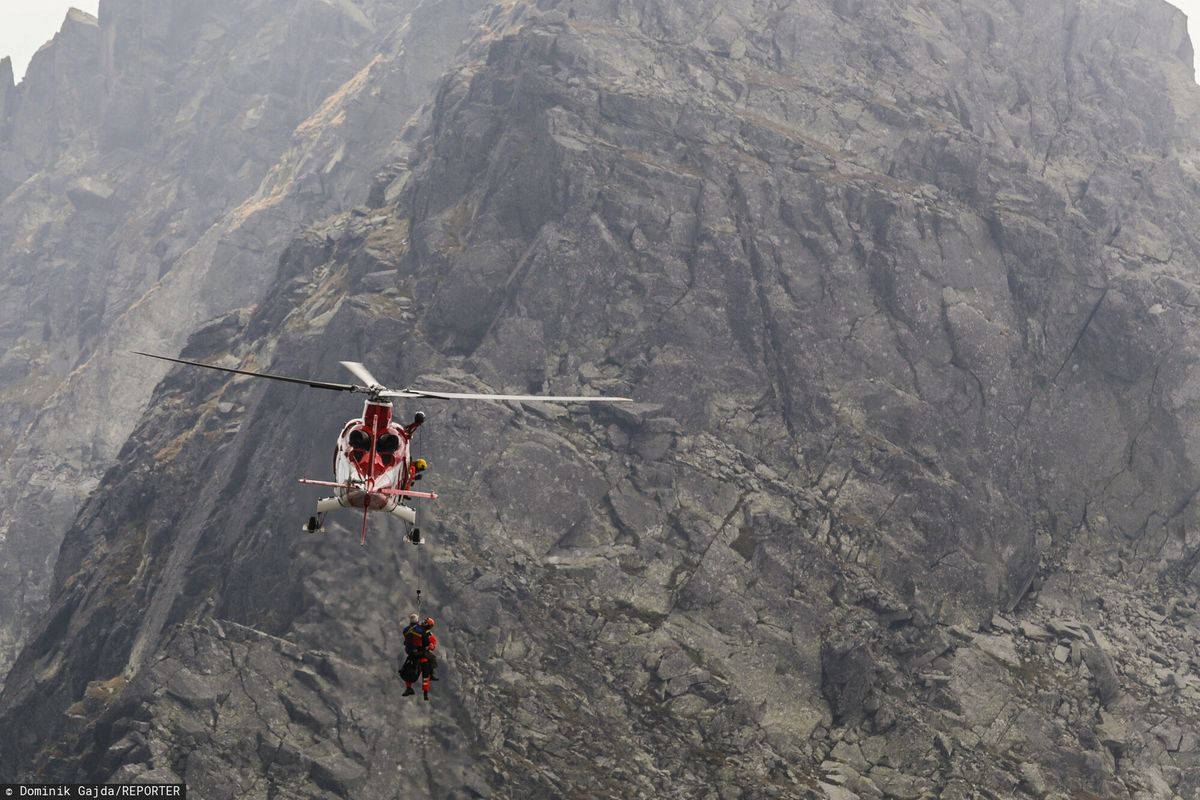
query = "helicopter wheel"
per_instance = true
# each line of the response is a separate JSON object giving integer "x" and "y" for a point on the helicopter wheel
{"x": 313, "y": 525}
{"x": 414, "y": 536}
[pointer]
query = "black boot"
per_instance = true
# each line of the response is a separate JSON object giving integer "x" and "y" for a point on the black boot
{"x": 427, "y": 696}
{"x": 408, "y": 691}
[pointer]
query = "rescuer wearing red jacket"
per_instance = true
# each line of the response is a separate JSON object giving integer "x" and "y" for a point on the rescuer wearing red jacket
{"x": 419, "y": 644}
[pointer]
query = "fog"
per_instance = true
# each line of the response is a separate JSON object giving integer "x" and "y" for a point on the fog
{"x": 25, "y": 25}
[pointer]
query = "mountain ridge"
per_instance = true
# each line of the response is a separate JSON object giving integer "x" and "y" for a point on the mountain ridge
{"x": 903, "y": 293}
{"x": 149, "y": 242}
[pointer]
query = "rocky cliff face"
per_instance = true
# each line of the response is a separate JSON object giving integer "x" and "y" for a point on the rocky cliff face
{"x": 153, "y": 166}
{"x": 906, "y": 294}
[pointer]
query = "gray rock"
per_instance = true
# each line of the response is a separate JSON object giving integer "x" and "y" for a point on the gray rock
{"x": 89, "y": 192}
{"x": 1032, "y": 780}
{"x": 1036, "y": 632}
{"x": 175, "y": 160}
{"x": 850, "y": 754}
{"x": 835, "y": 792}
{"x": 198, "y": 692}
{"x": 1108, "y": 685}
{"x": 1170, "y": 734}
{"x": 898, "y": 785}
{"x": 337, "y": 774}
{"x": 907, "y": 293}
{"x": 1065, "y": 628}
{"x": 1112, "y": 733}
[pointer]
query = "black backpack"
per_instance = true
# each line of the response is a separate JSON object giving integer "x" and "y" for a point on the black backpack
{"x": 409, "y": 671}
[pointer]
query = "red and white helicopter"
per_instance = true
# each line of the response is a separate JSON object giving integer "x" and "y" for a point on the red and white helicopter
{"x": 372, "y": 468}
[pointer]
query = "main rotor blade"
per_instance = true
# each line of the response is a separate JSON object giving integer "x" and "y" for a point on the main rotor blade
{"x": 337, "y": 387}
{"x": 540, "y": 398}
{"x": 362, "y": 373}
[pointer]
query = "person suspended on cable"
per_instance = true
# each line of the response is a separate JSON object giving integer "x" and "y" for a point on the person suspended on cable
{"x": 415, "y": 469}
{"x": 430, "y": 654}
{"x": 413, "y": 622}
{"x": 408, "y": 668}
{"x": 420, "y": 645}
{"x": 414, "y": 474}
{"x": 412, "y": 636}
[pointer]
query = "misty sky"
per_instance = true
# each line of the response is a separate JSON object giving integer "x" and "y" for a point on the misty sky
{"x": 25, "y": 25}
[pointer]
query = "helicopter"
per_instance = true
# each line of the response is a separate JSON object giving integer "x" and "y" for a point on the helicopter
{"x": 372, "y": 467}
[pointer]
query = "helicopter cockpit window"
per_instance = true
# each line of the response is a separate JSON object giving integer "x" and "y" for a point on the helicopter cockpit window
{"x": 360, "y": 440}
{"x": 387, "y": 444}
